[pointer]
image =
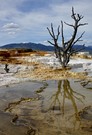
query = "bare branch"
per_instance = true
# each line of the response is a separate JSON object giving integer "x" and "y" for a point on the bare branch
{"x": 69, "y": 24}
{"x": 76, "y": 17}
{"x": 49, "y": 32}
{"x": 58, "y": 32}
{"x": 77, "y": 50}
{"x": 78, "y": 39}
{"x": 52, "y": 30}
{"x": 51, "y": 42}
{"x": 62, "y": 34}
{"x": 82, "y": 24}
{"x": 73, "y": 14}
{"x": 79, "y": 17}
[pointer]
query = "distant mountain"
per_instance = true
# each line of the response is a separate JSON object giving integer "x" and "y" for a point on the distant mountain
{"x": 30, "y": 45}
{"x": 85, "y": 49}
{"x": 41, "y": 47}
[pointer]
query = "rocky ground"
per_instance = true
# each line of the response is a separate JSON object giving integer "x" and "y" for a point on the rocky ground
{"x": 37, "y": 67}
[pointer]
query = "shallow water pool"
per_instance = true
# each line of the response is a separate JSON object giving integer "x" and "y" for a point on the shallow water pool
{"x": 48, "y": 107}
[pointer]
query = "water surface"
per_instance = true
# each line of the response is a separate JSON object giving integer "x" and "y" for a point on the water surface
{"x": 48, "y": 107}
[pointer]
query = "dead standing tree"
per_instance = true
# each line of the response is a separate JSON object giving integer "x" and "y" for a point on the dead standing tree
{"x": 66, "y": 49}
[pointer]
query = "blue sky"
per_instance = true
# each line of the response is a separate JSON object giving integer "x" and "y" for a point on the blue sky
{"x": 27, "y": 20}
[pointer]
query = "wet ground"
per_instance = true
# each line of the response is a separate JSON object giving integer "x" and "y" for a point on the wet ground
{"x": 60, "y": 107}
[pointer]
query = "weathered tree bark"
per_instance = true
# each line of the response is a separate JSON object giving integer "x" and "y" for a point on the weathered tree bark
{"x": 66, "y": 49}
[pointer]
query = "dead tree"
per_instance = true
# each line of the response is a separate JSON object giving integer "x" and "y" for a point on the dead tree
{"x": 66, "y": 49}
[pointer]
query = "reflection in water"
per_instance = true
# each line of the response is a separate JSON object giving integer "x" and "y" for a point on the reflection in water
{"x": 63, "y": 93}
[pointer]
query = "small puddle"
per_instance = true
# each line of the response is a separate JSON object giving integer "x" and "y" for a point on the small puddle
{"x": 48, "y": 107}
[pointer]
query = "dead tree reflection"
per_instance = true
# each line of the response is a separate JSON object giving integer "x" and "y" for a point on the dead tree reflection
{"x": 63, "y": 93}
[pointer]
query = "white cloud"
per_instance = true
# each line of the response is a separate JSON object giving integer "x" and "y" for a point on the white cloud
{"x": 12, "y": 33}
{"x": 10, "y": 28}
